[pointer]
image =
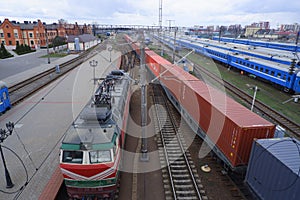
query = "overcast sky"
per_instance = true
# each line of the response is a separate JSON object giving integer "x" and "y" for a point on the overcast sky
{"x": 145, "y": 12}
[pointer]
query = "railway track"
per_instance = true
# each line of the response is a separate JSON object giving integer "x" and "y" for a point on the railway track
{"x": 22, "y": 90}
{"x": 181, "y": 180}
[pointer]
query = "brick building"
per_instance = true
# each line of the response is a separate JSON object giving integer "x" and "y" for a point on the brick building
{"x": 13, "y": 33}
{"x": 35, "y": 34}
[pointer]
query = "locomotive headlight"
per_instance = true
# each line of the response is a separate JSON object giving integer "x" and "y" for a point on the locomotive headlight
{"x": 86, "y": 146}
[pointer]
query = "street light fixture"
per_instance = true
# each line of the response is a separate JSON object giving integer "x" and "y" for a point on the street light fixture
{"x": 110, "y": 50}
{"x": 94, "y": 63}
{"x": 3, "y": 135}
{"x": 47, "y": 43}
{"x": 254, "y": 96}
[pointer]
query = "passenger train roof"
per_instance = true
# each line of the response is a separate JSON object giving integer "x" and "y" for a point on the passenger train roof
{"x": 253, "y": 59}
{"x": 263, "y": 51}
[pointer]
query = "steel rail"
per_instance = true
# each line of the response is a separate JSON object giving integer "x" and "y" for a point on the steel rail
{"x": 179, "y": 182}
{"x": 25, "y": 88}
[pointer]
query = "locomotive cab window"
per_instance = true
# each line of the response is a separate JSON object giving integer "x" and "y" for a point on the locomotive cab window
{"x": 73, "y": 157}
{"x": 100, "y": 156}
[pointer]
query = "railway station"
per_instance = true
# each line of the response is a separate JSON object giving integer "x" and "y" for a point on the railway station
{"x": 38, "y": 154}
{"x": 117, "y": 112}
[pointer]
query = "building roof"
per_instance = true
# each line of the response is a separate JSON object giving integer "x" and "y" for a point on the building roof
{"x": 82, "y": 38}
{"x": 27, "y": 25}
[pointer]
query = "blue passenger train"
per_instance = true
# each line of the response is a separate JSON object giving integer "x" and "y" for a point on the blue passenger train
{"x": 4, "y": 98}
{"x": 280, "y": 56}
{"x": 280, "y": 74}
{"x": 273, "y": 45}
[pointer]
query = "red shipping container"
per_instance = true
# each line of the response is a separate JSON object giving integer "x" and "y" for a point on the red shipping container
{"x": 229, "y": 125}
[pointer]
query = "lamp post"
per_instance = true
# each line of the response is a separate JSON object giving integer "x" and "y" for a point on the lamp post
{"x": 47, "y": 43}
{"x": 110, "y": 50}
{"x": 94, "y": 63}
{"x": 3, "y": 135}
{"x": 144, "y": 156}
{"x": 254, "y": 96}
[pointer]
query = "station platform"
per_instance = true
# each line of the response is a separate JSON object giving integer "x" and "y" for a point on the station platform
{"x": 17, "y": 78}
{"x": 32, "y": 151}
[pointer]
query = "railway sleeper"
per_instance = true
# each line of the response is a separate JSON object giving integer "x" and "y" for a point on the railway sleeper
{"x": 177, "y": 166}
{"x": 184, "y": 181}
{"x": 180, "y": 171}
{"x": 180, "y": 176}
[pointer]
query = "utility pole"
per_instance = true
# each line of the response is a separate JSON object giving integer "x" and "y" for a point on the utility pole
{"x": 47, "y": 43}
{"x": 174, "y": 45}
{"x": 160, "y": 15}
{"x": 254, "y": 96}
{"x": 144, "y": 157}
{"x": 160, "y": 25}
{"x": 162, "y": 46}
{"x": 170, "y": 21}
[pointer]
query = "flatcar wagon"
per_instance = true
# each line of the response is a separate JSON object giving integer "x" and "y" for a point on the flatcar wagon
{"x": 90, "y": 152}
{"x": 4, "y": 98}
{"x": 226, "y": 126}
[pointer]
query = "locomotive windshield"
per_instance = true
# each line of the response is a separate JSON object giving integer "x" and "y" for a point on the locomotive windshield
{"x": 73, "y": 157}
{"x": 100, "y": 156}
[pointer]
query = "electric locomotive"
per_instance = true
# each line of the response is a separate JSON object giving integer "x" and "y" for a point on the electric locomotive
{"x": 90, "y": 152}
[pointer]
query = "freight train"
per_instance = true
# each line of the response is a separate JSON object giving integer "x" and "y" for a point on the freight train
{"x": 227, "y": 127}
{"x": 4, "y": 98}
{"x": 279, "y": 69}
{"x": 239, "y": 137}
{"x": 90, "y": 153}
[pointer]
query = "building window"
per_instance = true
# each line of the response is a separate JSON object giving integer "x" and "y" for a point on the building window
{"x": 32, "y": 42}
{"x": 17, "y": 43}
{"x": 30, "y": 35}
{"x": 3, "y": 42}
{"x": 8, "y": 35}
{"x": 9, "y": 42}
{"x": 16, "y": 35}
{"x": 2, "y": 35}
